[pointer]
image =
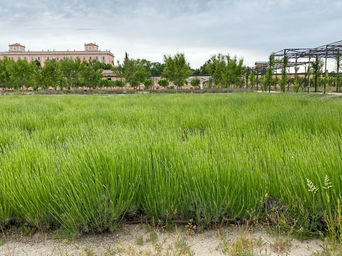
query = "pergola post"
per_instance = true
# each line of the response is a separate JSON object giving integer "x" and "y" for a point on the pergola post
{"x": 309, "y": 77}
{"x": 338, "y": 70}
{"x": 326, "y": 59}
{"x": 305, "y": 83}
{"x": 316, "y": 76}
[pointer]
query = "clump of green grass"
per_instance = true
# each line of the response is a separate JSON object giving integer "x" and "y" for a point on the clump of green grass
{"x": 84, "y": 164}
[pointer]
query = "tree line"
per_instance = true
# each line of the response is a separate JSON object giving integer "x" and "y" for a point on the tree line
{"x": 224, "y": 71}
{"x": 68, "y": 73}
{"x": 65, "y": 73}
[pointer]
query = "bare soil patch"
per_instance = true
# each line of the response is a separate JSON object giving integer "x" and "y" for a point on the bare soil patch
{"x": 146, "y": 240}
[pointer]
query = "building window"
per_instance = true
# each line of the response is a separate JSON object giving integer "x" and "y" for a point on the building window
{"x": 48, "y": 58}
{"x": 38, "y": 58}
{"x": 103, "y": 58}
{"x": 90, "y": 58}
{"x": 83, "y": 58}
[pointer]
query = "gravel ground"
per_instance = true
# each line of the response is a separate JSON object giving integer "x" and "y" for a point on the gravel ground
{"x": 146, "y": 240}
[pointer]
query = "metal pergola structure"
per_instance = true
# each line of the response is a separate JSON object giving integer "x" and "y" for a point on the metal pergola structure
{"x": 304, "y": 56}
{"x": 261, "y": 67}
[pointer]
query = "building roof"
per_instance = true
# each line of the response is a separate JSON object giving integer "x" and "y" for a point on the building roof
{"x": 90, "y": 44}
{"x": 16, "y": 44}
{"x": 58, "y": 53}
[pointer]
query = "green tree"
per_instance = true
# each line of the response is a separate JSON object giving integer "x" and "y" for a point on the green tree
{"x": 234, "y": 71}
{"x": 202, "y": 71}
{"x": 134, "y": 71}
{"x": 90, "y": 73}
{"x": 269, "y": 74}
{"x": 284, "y": 77}
{"x": 118, "y": 70}
{"x": 261, "y": 82}
{"x": 156, "y": 68}
{"x": 163, "y": 82}
{"x": 308, "y": 73}
{"x": 20, "y": 73}
{"x": 50, "y": 74}
{"x": 4, "y": 76}
{"x": 252, "y": 79}
{"x": 119, "y": 83}
{"x": 176, "y": 69}
{"x": 70, "y": 72}
{"x": 4, "y": 72}
{"x": 317, "y": 71}
{"x": 148, "y": 83}
{"x": 16, "y": 74}
{"x": 326, "y": 81}
{"x": 226, "y": 71}
{"x": 195, "y": 82}
{"x": 216, "y": 69}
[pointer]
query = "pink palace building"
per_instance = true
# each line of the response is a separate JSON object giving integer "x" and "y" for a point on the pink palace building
{"x": 91, "y": 52}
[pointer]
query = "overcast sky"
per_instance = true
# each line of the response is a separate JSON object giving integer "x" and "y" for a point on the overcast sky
{"x": 251, "y": 29}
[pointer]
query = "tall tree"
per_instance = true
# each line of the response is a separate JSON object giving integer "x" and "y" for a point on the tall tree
{"x": 195, "y": 82}
{"x": 326, "y": 81}
{"x": 252, "y": 79}
{"x": 70, "y": 72}
{"x": 234, "y": 71}
{"x": 284, "y": 76}
{"x": 148, "y": 83}
{"x": 50, "y": 74}
{"x": 226, "y": 71}
{"x": 90, "y": 73}
{"x": 317, "y": 71}
{"x": 216, "y": 69}
{"x": 269, "y": 73}
{"x": 5, "y": 71}
{"x": 156, "y": 68}
{"x": 176, "y": 69}
{"x": 134, "y": 71}
{"x": 202, "y": 71}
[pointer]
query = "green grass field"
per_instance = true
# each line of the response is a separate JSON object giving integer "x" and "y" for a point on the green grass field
{"x": 85, "y": 163}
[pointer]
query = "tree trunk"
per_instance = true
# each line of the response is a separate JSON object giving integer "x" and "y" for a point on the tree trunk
{"x": 337, "y": 84}
{"x": 257, "y": 82}
{"x": 305, "y": 78}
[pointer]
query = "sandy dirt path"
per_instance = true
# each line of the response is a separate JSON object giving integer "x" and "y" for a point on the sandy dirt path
{"x": 146, "y": 240}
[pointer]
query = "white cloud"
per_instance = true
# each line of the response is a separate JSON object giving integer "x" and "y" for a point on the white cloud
{"x": 148, "y": 29}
